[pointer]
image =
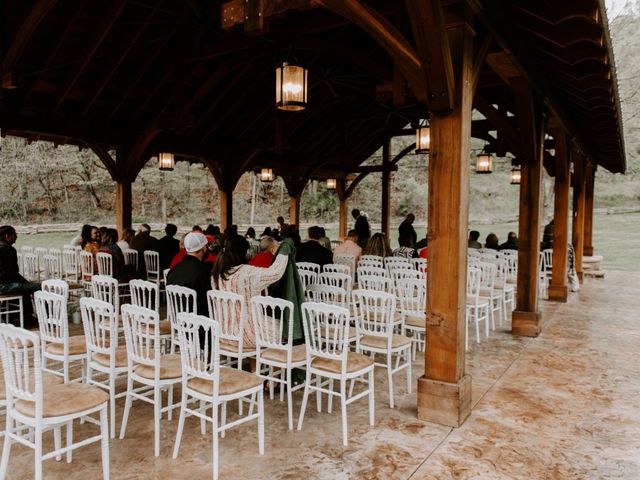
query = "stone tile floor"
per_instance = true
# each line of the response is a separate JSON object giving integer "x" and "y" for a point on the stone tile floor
{"x": 563, "y": 405}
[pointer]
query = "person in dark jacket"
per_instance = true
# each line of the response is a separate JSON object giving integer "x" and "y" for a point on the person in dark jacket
{"x": 511, "y": 243}
{"x": 10, "y": 279}
{"x": 142, "y": 242}
{"x": 362, "y": 227}
{"x": 168, "y": 246}
{"x": 312, "y": 251}
{"x": 406, "y": 230}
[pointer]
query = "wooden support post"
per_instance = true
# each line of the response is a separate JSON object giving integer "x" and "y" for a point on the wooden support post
{"x": 558, "y": 288}
{"x": 386, "y": 184}
{"x": 226, "y": 209}
{"x": 525, "y": 319}
{"x": 123, "y": 205}
{"x": 444, "y": 392}
{"x": 578, "y": 211}
{"x": 341, "y": 190}
{"x": 294, "y": 210}
{"x": 589, "y": 184}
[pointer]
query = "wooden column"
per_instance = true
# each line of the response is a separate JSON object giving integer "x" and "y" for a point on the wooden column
{"x": 341, "y": 190}
{"x": 444, "y": 391}
{"x": 294, "y": 210}
{"x": 525, "y": 319}
{"x": 558, "y": 288}
{"x": 386, "y": 194}
{"x": 226, "y": 209}
{"x": 123, "y": 205}
{"x": 589, "y": 184}
{"x": 578, "y": 211}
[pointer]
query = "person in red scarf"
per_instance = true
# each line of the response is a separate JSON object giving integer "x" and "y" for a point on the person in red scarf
{"x": 268, "y": 248}
{"x": 209, "y": 258}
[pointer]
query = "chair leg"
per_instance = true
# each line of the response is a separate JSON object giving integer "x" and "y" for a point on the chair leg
{"x": 330, "y": 401}
{"x": 240, "y": 401}
{"x": 183, "y": 405}
{"x": 223, "y": 422}
{"x": 289, "y": 398}
{"x": 157, "y": 407}
{"x": 372, "y": 405}
{"x": 57, "y": 442}
{"x": 476, "y": 312}
{"x": 390, "y": 378}
{"x": 203, "y": 422}
{"x": 127, "y": 407}
{"x": 69, "y": 440}
{"x": 214, "y": 416}
{"x": 343, "y": 405}
{"x": 307, "y": 387}
{"x": 38, "y": 453}
{"x": 318, "y": 394}
{"x": 408, "y": 357}
{"x": 270, "y": 383}
{"x": 6, "y": 449}
{"x": 104, "y": 443}
{"x": 261, "y": 422}
{"x": 170, "y": 403}
{"x": 112, "y": 402}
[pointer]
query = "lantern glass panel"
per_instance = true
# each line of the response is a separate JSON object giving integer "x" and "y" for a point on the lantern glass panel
{"x": 166, "y": 161}
{"x": 484, "y": 163}
{"x": 291, "y": 87}
{"x": 423, "y": 139}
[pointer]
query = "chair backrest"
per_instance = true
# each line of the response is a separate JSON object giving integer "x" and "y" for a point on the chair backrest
{"x": 26, "y": 249}
{"x": 142, "y": 335}
{"x": 70, "y": 262}
{"x": 105, "y": 263}
{"x": 270, "y": 315}
{"x": 487, "y": 274}
{"x": 336, "y": 268}
{"x": 473, "y": 282}
{"x": 40, "y": 252}
{"x": 375, "y": 282}
{"x": 52, "y": 317}
{"x": 348, "y": 260}
{"x": 30, "y": 266}
{"x": 313, "y": 267}
{"x": 199, "y": 354}
{"x": 326, "y": 331}
{"x": 398, "y": 274}
{"x": 152, "y": 263}
{"x": 100, "y": 324}
{"x": 419, "y": 264}
{"x": 21, "y": 360}
{"x": 145, "y": 294}
{"x": 372, "y": 261}
{"x": 106, "y": 289}
{"x": 397, "y": 263}
{"x": 51, "y": 264}
{"x": 86, "y": 265}
{"x": 371, "y": 270}
{"x": 548, "y": 258}
{"x": 229, "y": 310}
{"x": 334, "y": 244}
{"x": 180, "y": 300}
{"x": 511, "y": 263}
{"x": 342, "y": 280}
{"x": 130, "y": 257}
{"x": 57, "y": 286}
{"x": 328, "y": 294}
{"x": 412, "y": 296}
{"x": 308, "y": 278}
{"x": 374, "y": 312}
{"x": 165, "y": 272}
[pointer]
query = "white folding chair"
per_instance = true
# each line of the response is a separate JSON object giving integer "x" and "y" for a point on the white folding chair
{"x": 146, "y": 366}
{"x": 270, "y": 315}
{"x": 205, "y": 381}
{"x": 375, "y": 322}
{"x": 326, "y": 335}
{"x": 179, "y": 300}
{"x": 35, "y": 403}
{"x": 336, "y": 268}
{"x": 412, "y": 295}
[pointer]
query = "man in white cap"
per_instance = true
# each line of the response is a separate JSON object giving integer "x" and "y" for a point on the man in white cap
{"x": 192, "y": 272}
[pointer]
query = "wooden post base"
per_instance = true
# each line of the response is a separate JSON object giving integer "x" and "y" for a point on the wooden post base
{"x": 558, "y": 293}
{"x": 444, "y": 403}
{"x": 580, "y": 276}
{"x": 588, "y": 250}
{"x": 526, "y": 324}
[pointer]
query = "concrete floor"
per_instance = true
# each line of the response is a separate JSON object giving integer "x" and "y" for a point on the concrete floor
{"x": 563, "y": 405}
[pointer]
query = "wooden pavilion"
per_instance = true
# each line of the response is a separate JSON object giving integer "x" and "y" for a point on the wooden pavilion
{"x": 196, "y": 79}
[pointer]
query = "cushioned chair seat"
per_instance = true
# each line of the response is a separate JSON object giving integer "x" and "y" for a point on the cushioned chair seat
{"x": 77, "y": 346}
{"x": 355, "y": 363}
{"x": 121, "y": 357}
{"x": 397, "y": 341}
{"x": 299, "y": 354}
{"x": 48, "y": 379}
{"x": 231, "y": 381}
{"x": 472, "y": 301}
{"x": 65, "y": 399}
{"x": 420, "y": 322}
{"x": 170, "y": 367}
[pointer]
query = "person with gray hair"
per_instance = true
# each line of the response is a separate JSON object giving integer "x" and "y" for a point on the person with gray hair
{"x": 268, "y": 249}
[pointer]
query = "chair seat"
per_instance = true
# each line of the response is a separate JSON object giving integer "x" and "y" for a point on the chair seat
{"x": 476, "y": 301}
{"x": 170, "y": 367}
{"x": 48, "y": 379}
{"x": 355, "y": 363}
{"x": 419, "y": 322}
{"x": 512, "y": 281}
{"x": 65, "y": 399}
{"x": 505, "y": 288}
{"x": 75, "y": 286}
{"x": 121, "y": 358}
{"x": 165, "y": 327}
{"x": 77, "y": 346}
{"x": 10, "y": 296}
{"x": 397, "y": 341}
{"x": 231, "y": 381}
{"x": 488, "y": 292}
{"x": 231, "y": 346}
{"x": 299, "y": 354}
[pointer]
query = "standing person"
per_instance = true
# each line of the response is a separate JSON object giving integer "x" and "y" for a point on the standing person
{"x": 312, "y": 251}
{"x": 281, "y": 224}
{"x": 10, "y": 279}
{"x": 168, "y": 246}
{"x": 350, "y": 246}
{"x": 473, "y": 242}
{"x": 406, "y": 229}
{"x": 142, "y": 242}
{"x": 362, "y": 227}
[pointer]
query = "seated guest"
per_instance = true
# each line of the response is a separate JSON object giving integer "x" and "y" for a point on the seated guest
{"x": 142, "y": 242}
{"x": 268, "y": 248}
{"x": 511, "y": 243}
{"x": 350, "y": 246}
{"x": 473, "y": 242}
{"x": 405, "y": 249}
{"x": 120, "y": 271}
{"x": 10, "y": 279}
{"x": 312, "y": 251}
{"x": 491, "y": 242}
{"x": 127, "y": 236}
{"x": 324, "y": 240}
{"x": 377, "y": 245}
{"x": 168, "y": 246}
{"x": 266, "y": 232}
{"x": 91, "y": 243}
{"x": 84, "y": 232}
{"x": 422, "y": 253}
{"x": 209, "y": 257}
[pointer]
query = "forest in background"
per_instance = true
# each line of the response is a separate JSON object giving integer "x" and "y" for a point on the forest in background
{"x": 41, "y": 183}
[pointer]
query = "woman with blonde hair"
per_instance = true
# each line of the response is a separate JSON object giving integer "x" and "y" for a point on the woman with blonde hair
{"x": 377, "y": 245}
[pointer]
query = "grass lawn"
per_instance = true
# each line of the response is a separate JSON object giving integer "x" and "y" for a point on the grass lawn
{"x": 616, "y": 237}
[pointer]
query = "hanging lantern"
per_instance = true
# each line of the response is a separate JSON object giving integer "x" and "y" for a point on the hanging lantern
{"x": 291, "y": 87}
{"x": 266, "y": 175}
{"x": 331, "y": 183}
{"x": 166, "y": 161}
{"x": 423, "y": 139}
{"x": 484, "y": 163}
{"x": 516, "y": 175}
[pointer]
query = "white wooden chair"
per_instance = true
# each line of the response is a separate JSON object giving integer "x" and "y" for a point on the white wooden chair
{"x": 371, "y": 261}
{"x": 419, "y": 264}
{"x": 326, "y": 335}
{"x": 308, "y": 278}
{"x": 36, "y": 405}
{"x": 371, "y": 270}
{"x": 86, "y": 270}
{"x": 130, "y": 257}
{"x": 269, "y": 316}
{"x": 57, "y": 286}
{"x": 204, "y": 380}
{"x": 152, "y": 264}
{"x": 10, "y": 305}
{"x": 105, "y": 288}
{"x": 375, "y": 282}
{"x": 51, "y": 266}
{"x": 342, "y": 280}
{"x": 375, "y": 322}
{"x": 336, "y": 268}
{"x": 329, "y": 294}
{"x": 412, "y": 296}
{"x": 57, "y": 346}
{"x": 105, "y": 264}
{"x": 147, "y": 295}
{"x": 348, "y": 260}
{"x": 146, "y": 366}
{"x": 40, "y": 252}
{"x": 477, "y": 308}
{"x": 179, "y": 300}
{"x": 309, "y": 266}
{"x": 488, "y": 274}
{"x": 30, "y": 267}
{"x": 70, "y": 265}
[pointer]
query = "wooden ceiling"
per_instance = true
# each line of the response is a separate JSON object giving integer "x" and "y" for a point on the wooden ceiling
{"x": 149, "y": 76}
